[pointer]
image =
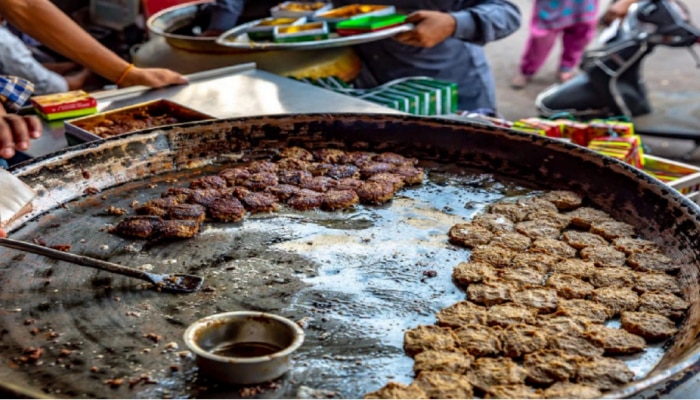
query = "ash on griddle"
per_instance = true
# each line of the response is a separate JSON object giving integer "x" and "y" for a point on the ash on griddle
{"x": 584, "y": 283}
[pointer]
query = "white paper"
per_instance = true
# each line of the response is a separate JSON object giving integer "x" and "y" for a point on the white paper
{"x": 15, "y": 195}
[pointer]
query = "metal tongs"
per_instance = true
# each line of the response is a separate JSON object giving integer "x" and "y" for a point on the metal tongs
{"x": 177, "y": 283}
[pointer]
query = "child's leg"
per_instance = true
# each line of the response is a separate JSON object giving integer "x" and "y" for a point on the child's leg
{"x": 575, "y": 40}
{"x": 538, "y": 46}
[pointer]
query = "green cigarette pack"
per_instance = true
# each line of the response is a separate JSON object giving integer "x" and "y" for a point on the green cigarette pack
{"x": 383, "y": 101}
{"x": 450, "y": 95}
{"x": 424, "y": 105}
{"x": 414, "y": 99}
{"x": 403, "y": 101}
{"x": 434, "y": 95}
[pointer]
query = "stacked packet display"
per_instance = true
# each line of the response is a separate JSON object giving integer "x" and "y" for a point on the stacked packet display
{"x": 64, "y": 105}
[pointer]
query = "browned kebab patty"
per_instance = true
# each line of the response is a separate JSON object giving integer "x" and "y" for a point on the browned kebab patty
{"x": 357, "y": 157}
{"x": 544, "y": 300}
{"x": 521, "y": 339}
{"x": 490, "y": 292}
{"x": 553, "y": 324}
{"x": 256, "y": 167}
{"x": 259, "y": 202}
{"x": 512, "y": 240}
{"x": 604, "y": 373}
{"x": 635, "y": 245}
{"x": 580, "y": 240}
{"x": 612, "y": 229}
{"x": 305, "y": 199}
{"x": 541, "y": 262}
{"x": 523, "y": 277}
{"x": 604, "y": 256}
{"x": 176, "y": 229}
{"x": 292, "y": 177}
{"x": 507, "y": 314}
{"x": 429, "y": 337}
{"x": 344, "y": 172}
{"x": 574, "y": 344}
{"x": 209, "y": 182}
{"x": 488, "y": 372}
{"x": 283, "y": 192}
{"x": 348, "y": 184}
{"x": 411, "y": 175}
{"x": 538, "y": 229}
{"x": 569, "y": 286}
{"x": 318, "y": 183}
{"x": 581, "y": 308}
{"x": 616, "y": 276}
{"x": 553, "y": 247}
{"x": 142, "y": 227}
{"x": 319, "y": 168}
{"x": 296, "y": 152}
{"x": 293, "y": 164}
{"x": 553, "y": 218}
{"x": 260, "y": 181}
{"x": 393, "y": 158}
{"x": 458, "y": 362}
{"x": 237, "y": 192}
{"x": 513, "y": 392}
{"x": 339, "y": 199}
{"x": 195, "y": 212}
{"x": 666, "y": 304}
{"x": 179, "y": 194}
{"x": 535, "y": 203}
{"x": 570, "y": 390}
{"x": 444, "y": 385}
{"x": 330, "y": 156}
{"x": 479, "y": 340}
{"x": 545, "y": 367}
{"x": 512, "y": 211}
{"x": 496, "y": 223}
{"x": 496, "y": 256}
{"x": 372, "y": 167}
{"x": 396, "y": 390}
{"x": 564, "y": 200}
{"x": 377, "y": 192}
{"x": 656, "y": 282}
{"x": 204, "y": 197}
{"x": 226, "y": 210}
{"x": 615, "y": 341}
{"x": 466, "y": 273}
{"x": 469, "y": 235}
{"x": 617, "y": 299}
{"x": 652, "y": 262}
{"x": 584, "y": 217}
{"x": 575, "y": 267}
{"x": 650, "y": 326}
{"x": 461, "y": 313}
{"x": 235, "y": 176}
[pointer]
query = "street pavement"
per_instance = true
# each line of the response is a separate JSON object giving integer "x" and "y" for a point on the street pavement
{"x": 672, "y": 79}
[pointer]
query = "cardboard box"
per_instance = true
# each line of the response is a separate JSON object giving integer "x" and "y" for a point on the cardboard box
{"x": 64, "y": 105}
{"x": 297, "y": 9}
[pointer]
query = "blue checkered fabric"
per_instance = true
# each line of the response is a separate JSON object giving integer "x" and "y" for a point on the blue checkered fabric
{"x": 14, "y": 92}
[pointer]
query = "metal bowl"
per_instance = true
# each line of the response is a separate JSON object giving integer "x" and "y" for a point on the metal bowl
{"x": 243, "y": 347}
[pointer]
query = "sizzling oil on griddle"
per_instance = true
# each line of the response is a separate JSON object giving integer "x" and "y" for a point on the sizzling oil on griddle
{"x": 355, "y": 280}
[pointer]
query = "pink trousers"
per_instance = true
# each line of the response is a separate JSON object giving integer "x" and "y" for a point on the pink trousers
{"x": 575, "y": 38}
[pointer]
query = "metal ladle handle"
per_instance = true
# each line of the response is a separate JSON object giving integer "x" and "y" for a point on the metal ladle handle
{"x": 75, "y": 259}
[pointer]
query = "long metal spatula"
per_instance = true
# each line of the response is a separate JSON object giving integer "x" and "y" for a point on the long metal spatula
{"x": 178, "y": 283}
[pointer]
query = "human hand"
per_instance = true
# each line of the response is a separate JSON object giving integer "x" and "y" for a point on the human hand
{"x": 15, "y": 132}
{"x": 431, "y": 28}
{"x": 152, "y": 77}
{"x": 3, "y": 234}
{"x": 615, "y": 11}
{"x": 212, "y": 33}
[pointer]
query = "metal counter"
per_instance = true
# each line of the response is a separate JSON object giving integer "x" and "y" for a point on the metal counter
{"x": 236, "y": 91}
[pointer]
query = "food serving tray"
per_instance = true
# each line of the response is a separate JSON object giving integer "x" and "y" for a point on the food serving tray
{"x": 237, "y": 38}
{"x": 96, "y": 127}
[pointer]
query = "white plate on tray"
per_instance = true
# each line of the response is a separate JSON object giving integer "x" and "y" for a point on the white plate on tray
{"x": 238, "y": 38}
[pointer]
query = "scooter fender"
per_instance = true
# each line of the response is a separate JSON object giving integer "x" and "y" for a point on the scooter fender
{"x": 577, "y": 97}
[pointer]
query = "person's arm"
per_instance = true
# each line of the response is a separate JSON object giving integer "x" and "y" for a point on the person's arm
{"x": 45, "y": 22}
{"x": 224, "y": 16}
{"x": 486, "y": 21}
{"x": 615, "y": 11}
{"x": 480, "y": 22}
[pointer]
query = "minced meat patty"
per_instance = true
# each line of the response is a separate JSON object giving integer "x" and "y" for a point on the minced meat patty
{"x": 496, "y": 223}
{"x": 305, "y": 199}
{"x": 523, "y": 277}
{"x": 394, "y": 179}
{"x": 666, "y": 304}
{"x": 227, "y": 210}
{"x": 461, "y": 313}
{"x": 512, "y": 240}
{"x": 339, "y": 199}
{"x": 375, "y": 192}
{"x": 443, "y": 361}
{"x": 176, "y": 229}
{"x": 650, "y": 326}
{"x": 656, "y": 282}
{"x": 563, "y": 199}
{"x": 630, "y": 245}
{"x": 444, "y": 385}
{"x": 569, "y": 390}
{"x": 479, "y": 340}
{"x": 617, "y": 299}
{"x": 293, "y": 176}
{"x": 262, "y": 166}
{"x": 490, "y": 292}
{"x": 466, "y": 273}
{"x": 235, "y": 176}
{"x": 343, "y": 172}
{"x": 511, "y": 211}
{"x": 604, "y": 373}
{"x": 348, "y": 184}
{"x": 393, "y": 158}
{"x": 428, "y": 337}
{"x": 411, "y": 175}
{"x": 513, "y": 392}
{"x": 372, "y": 168}
{"x": 181, "y": 195}
{"x": 553, "y": 247}
{"x": 507, "y": 314}
{"x": 652, "y": 262}
{"x": 604, "y": 256}
{"x": 496, "y": 256}
{"x": 357, "y": 157}
{"x": 545, "y": 300}
{"x": 259, "y": 202}
{"x": 142, "y": 227}
{"x": 330, "y": 156}
{"x": 575, "y": 267}
{"x": 395, "y": 390}
{"x": 538, "y": 229}
{"x": 318, "y": 183}
{"x": 545, "y": 367}
{"x": 556, "y": 219}
{"x": 541, "y": 262}
{"x": 296, "y": 152}
{"x": 569, "y": 287}
{"x": 615, "y": 341}
{"x": 469, "y": 235}
{"x": 574, "y": 344}
{"x": 195, "y": 212}
{"x": 260, "y": 181}
{"x": 283, "y": 192}
{"x": 579, "y": 308}
{"x": 612, "y": 229}
{"x": 534, "y": 204}
{"x": 622, "y": 277}
{"x": 584, "y": 217}
{"x": 521, "y": 339}
{"x": 580, "y": 240}
{"x": 209, "y": 182}
{"x": 554, "y": 325}
{"x": 293, "y": 164}
{"x": 489, "y": 372}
